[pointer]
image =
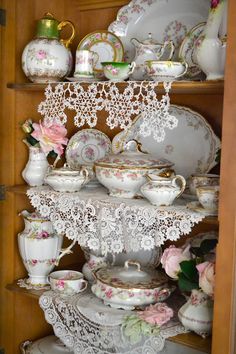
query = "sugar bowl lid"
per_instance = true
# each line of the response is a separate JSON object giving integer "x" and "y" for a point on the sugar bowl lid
{"x": 63, "y": 171}
{"x": 131, "y": 276}
{"x": 133, "y": 157}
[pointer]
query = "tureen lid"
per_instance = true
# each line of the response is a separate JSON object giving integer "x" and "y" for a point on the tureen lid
{"x": 149, "y": 40}
{"x": 64, "y": 171}
{"x": 133, "y": 157}
{"x": 131, "y": 276}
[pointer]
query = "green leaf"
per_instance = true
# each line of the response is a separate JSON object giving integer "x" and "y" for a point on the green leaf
{"x": 189, "y": 270}
{"x": 185, "y": 284}
{"x": 32, "y": 141}
{"x": 208, "y": 245}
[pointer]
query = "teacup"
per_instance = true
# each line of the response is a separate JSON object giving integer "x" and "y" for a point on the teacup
{"x": 84, "y": 63}
{"x": 117, "y": 71}
{"x": 208, "y": 197}
{"x": 165, "y": 70}
{"x": 202, "y": 180}
{"x": 68, "y": 282}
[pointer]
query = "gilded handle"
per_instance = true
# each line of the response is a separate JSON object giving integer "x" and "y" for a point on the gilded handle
{"x": 67, "y": 42}
{"x": 185, "y": 70}
{"x": 130, "y": 262}
{"x": 183, "y": 184}
{"x": 172, "y": 48}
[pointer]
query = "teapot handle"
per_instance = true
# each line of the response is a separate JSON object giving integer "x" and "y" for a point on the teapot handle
{"x": 132, "y": 67}
{"x": 183, "y": 184}
{"x": 67, "y": 42}
{"x": 172, "y": 48}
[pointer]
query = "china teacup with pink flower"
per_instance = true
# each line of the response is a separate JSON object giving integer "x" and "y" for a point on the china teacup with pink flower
{"x": 208, "y": 197}
{"x": 117, "y": 71}
{"x": 68, "y": 282}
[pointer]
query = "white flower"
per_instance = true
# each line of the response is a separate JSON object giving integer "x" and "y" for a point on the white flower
{"x": 147, "y": 243}
{"x": 172, "y": 233}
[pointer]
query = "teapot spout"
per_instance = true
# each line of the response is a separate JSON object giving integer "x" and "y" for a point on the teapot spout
{"x": 135, "y": 42}
{"x": 24, "y": 213}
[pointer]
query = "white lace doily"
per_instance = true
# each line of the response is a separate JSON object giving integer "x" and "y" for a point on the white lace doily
{"x": 81, "y": 322}
{"x": 121, "y": 101}
{"x": 112, "y": 225}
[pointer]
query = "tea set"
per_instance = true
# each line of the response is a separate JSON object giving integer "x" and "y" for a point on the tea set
{"x": 99, "y": 56}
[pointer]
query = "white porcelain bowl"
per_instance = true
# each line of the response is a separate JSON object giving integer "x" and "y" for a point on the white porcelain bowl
{"x": 165, "y": 70}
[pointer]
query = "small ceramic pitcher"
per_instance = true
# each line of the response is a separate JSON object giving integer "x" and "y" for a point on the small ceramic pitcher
{"x": 36, "y": 167}
{"x": 162, "y": 191}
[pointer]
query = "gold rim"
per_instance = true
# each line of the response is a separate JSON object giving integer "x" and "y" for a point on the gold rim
{"x": 130, "y": 167}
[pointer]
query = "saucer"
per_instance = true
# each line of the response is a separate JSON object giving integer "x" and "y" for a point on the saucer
{"x": 196, "y": 206}
{"x": 83, "y": 79}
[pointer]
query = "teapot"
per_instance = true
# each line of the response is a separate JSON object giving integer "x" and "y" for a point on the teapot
{"x": 162, "y": 191}
{"x": 47, "y": 58}
{"x": 149, "y": 49}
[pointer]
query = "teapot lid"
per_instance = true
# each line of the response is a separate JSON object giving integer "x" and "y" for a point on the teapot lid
{"x": 47, "y": 27}
{"x": 150, "y": 40}
{"x": 133, "y": 157}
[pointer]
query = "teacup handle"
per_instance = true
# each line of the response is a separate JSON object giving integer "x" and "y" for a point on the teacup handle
{"x": 183, "y": 183}
{"x": 172, "y": 48}
{"x": 186, "y": 68}
{"x": 132, "y": 67}
{"x": 85, "y": 285}
{"x": 65, "y": 251}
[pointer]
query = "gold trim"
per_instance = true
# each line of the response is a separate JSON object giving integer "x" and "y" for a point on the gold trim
{"x": 106, "y": 41}
{"x": 97, "y": 164}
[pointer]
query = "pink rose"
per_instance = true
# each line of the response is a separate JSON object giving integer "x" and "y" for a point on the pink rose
{"x": 41, "y": 54}
{"x": 50, "y": 138}
{"x": 206, "y": 272}
{"x": 214, "y": 3}
{"x": 157, "y": 314}
{"x": 171, "y": 259}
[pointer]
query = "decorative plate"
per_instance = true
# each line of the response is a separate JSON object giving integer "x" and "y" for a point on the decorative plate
{"x": 86, "y": 147}
{"x": 106, "y": 44}
{"x": 166, "y": 20}
{"x": 192, "y": 146}
{"x": 196, "y": 206}
{"x": 186, "y": 50}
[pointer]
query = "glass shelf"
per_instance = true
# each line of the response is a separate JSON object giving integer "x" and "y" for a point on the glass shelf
{"x": 180, "y": 87}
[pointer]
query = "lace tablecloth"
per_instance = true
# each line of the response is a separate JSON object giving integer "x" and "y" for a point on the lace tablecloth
{"x": 110, "y": 224}
{"x": 87, "y": 326}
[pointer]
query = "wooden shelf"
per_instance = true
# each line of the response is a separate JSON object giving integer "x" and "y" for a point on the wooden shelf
{"x": 193, "y": 341}
{"x": 30, "y": 293}
{"x": 180, "y": 87}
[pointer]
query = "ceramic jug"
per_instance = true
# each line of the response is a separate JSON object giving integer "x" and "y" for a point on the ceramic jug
{"x": 36, "y": 167}
{"x": 47, "y": 58}
{"x": 210, "y": 47}
{"x": 162, "y": 191}
{"x": 149, "y": 49}
{"x": 197, "y": 313}
{"x": 40, "y": 247}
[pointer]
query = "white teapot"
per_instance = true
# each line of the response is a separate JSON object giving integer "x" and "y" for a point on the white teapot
{"x": 149, "y": 49}
{"x": 162, "y": 191}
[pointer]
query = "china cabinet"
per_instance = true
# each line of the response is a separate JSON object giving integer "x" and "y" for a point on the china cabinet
{"x": 20, "y": 316}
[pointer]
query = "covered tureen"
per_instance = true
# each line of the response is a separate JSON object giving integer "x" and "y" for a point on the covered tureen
{"x": 124, "y": 174}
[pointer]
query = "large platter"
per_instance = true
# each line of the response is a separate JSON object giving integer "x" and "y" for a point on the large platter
{"x": 166, "y": 20}
{"x": 107, "y": 46}
{"x": 87, "y": 146}
{"x": 192, "y": 146}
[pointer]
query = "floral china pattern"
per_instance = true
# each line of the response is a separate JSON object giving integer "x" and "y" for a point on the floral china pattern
{"x": 139, "y": 163}
{"x": 41, "y": 55}
{"x": 112, "y": 70}
{"x": 85, "y": 147}
{"x": 34, "y": 262}
{"x": 175, "y": 31}
{"x": 120, "y": 175}
{"x": 196, "y": 300}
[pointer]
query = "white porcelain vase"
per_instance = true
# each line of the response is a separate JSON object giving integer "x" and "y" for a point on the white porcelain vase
{"x": 197, "y": 313}
{"x": 36, "y": 167}
{"x": 40, "y": 247}
{"x": 210, "y": 47}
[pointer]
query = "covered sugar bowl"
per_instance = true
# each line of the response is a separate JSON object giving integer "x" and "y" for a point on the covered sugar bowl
{"x": 124, "y": 174}
{"x": 65, "y": 179}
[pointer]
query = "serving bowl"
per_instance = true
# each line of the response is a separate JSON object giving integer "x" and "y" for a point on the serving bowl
{"x": 124, "y": 174}
{"x": 165, "y": 70}
{"x": 130, "y": 286}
